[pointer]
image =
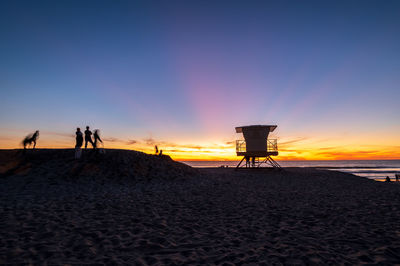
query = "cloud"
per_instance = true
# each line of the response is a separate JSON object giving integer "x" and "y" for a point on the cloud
{"x": 187, "y": 148}
{"x": 112, "y": 140}
{"x": 131, "y": 142}
{"x": 173, "y": 150}
{"x": 150, "y": 141}
{"x": 127, "y": 142}
{"x": 348, "y": 154}
{"x": 293, "y": 151}
{"x": 196, "y": 147}
{"x": 185, "y": 151}
{"x": 56, "y": 134}
{"x": 284, "y": 143}
{"x": 329, "y": 148}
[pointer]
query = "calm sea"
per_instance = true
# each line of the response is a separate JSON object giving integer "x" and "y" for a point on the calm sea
{"x": 373, "y": 169}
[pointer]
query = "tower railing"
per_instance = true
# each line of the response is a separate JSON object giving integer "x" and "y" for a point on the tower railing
{"x": 272, "y": 145}
{"x": 240, "y": 146}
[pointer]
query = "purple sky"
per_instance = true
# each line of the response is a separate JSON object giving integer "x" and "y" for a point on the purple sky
{"x": 188, "y": 72}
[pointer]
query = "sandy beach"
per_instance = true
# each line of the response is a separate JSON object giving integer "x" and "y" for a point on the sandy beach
{"x": 127, "y": 207}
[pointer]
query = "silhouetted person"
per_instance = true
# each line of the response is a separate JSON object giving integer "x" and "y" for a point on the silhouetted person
{"x": 96, "y": 138}
{"x": 79, "y": 143}
{"x": 247, "y": 161}
{"x": 31, "y": 139}
{"x": 156, "y": 148}
{"x": 387, "y": 179}
{"x": 79, "y": 138}
{"x": 88, "y": 137}
{"x": 253, "y": 161}
{"x": 397, "y": 177}
{"x": 160, "y": 154}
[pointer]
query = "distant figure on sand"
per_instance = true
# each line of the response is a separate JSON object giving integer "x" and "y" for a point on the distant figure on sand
{"x": 397, "y": 177}
{"x": 96, "y": 136}
{"x": 160, "y": 154}
{"x": 88, "y": 137}
{"x": 156, "y": 148}
{"x": 28, "y": 140}
{"x": 79, "y": 143}
{"x": 387, "y": 179}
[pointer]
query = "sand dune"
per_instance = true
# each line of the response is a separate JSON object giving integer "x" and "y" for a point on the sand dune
{"x": 114, "y": 164}
{"x": 128, "y": 207}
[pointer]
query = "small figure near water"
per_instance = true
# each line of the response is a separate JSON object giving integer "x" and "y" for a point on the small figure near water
{"x": 88, "y": 137}
{"x": 156, "y": 149}
{"x": 387, "y": 179}
{"x": 32, "y": 138}
{"x": 79, "y": 143}
{"x": 397, "y": 177}
{"x": 160, "y": 154}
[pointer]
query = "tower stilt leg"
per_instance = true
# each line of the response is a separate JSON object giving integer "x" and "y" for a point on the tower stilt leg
{"x": 257, "y": 163}
{"x": 240, "y": 162}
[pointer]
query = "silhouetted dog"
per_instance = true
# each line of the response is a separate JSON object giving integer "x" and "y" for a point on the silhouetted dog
{"x": 28, "y": 140}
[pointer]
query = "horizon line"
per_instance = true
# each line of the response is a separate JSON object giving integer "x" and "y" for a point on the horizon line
{"x": 208, "y": 160}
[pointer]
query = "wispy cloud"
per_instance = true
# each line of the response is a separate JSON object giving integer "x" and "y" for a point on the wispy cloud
{"x": 60, "y": 134}
{"x": 293, "y": 141}
{"x": 150, "y": 141}
{"x": 131, "y": 142}
{"x": 112, "y": 140}
{"x": 122, "y": 141}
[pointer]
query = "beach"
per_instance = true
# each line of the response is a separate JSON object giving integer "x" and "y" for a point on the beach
{"x": 127, "y": 207}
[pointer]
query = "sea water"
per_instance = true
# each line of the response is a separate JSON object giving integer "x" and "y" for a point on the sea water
{"x": 373, "y": 169}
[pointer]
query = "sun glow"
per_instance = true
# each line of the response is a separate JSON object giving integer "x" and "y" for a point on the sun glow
{"x": 305, "y": 148}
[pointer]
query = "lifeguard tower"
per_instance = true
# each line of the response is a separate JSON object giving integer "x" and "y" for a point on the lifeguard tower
{"x": 256, "y": 148}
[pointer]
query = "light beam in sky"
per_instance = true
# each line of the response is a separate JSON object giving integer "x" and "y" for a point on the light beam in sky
{"x": 184, "y": 74}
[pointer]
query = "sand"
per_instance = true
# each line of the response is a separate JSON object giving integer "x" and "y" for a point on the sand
{"x": 127, "y": 207}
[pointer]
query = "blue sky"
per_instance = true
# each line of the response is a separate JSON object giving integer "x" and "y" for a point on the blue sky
{"x": 189, "y": 71}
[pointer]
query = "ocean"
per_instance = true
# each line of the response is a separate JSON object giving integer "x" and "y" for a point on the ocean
{"x": 373, "y": 169}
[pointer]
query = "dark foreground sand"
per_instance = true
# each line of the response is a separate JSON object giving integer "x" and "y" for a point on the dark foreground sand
{"x": 130, "y": 208}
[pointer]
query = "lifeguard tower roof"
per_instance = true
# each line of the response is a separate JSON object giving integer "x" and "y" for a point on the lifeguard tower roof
{"x": 270, "y": 128}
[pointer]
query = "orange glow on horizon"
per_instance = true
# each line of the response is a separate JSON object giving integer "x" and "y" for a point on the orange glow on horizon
{"x": 288, "y": 150}
{"x": 330, "y": 147}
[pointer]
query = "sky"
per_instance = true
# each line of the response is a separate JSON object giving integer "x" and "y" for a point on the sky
{"x": 183, "y": 74}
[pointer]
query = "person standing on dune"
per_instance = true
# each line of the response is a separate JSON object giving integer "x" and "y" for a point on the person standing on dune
{"x": 88, "y": 137}
{"x": 79, "y": 143}
{"x": 96, "y": 136}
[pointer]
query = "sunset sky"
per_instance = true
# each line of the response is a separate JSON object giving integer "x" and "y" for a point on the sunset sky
{"x": 183, "y": 74}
